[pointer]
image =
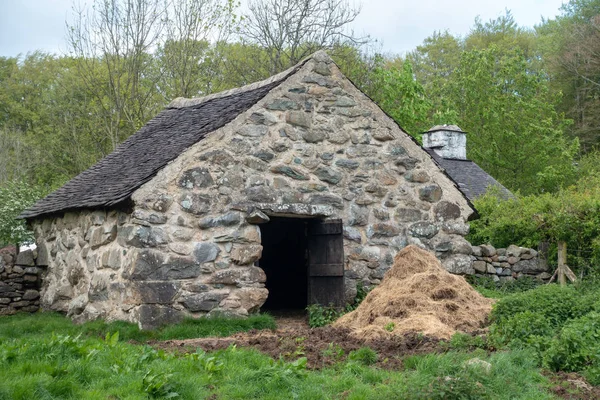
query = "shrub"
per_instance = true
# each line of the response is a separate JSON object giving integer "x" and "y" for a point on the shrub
{"x": 364, "y": 356}
{"x": 319, "y": 315}
{"x": 552, "y": 302}
{"x": 577, "y": 348}
{"x": 14, "y": 198}
{"x": 571, "y": 215}
{"x": 522, "y": 329}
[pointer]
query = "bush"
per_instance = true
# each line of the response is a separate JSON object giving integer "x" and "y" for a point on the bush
{"x": 364, "y": 356}
{"x": 571, "y": 215}
{"x": 552, "y": 302}
{"x": 524, "y": 329}
{"x": 319, "y": 315}
{"x": 577, "y": 348}
{"x": 14, "y": 198}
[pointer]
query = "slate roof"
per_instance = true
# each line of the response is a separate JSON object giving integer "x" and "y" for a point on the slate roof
{"x": 137, "y": 160}
{"x": 471, "y": 180}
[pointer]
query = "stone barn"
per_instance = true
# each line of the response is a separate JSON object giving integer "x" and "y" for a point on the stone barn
{"x": 276, "y": 195}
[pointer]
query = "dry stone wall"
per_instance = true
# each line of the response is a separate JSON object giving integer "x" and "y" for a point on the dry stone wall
{"x": 20, "y": 280}
{"x": 509, "y": 263}
{"x": 315, "y": 147}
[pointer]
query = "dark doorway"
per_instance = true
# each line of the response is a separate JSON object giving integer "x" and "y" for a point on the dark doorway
{"x": 284, "y": 260}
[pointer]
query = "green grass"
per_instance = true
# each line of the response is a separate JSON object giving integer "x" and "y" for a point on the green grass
{"x": 45, "y": 356}
{"x": 42, "y": 324}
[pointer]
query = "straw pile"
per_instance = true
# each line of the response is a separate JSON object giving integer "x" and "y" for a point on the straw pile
{"x": 418, "y": 295}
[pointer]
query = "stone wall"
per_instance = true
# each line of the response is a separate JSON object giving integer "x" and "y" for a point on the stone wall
{"x": 510, "y": 263}
{"x": 20, "y": 280}
{"x": 314, "y": 147}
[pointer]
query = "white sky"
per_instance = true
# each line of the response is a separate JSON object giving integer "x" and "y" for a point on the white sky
{"x": 401, "y": 25}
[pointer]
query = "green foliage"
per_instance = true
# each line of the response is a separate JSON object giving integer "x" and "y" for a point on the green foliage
{"x": 79, "y": 362}
{"x": 555, "y": 303}
{"x": 40, "y": 324}
{"x": 577, "y": 348}
{"x": 464, "y": 341}
{"x": 390, "y": 327}
{"x": 399, "y": 94}
{"x": 319, "y": 315}
{"x": 14, "y": 198}
{"x": 490, "y": 288}
{"x": 571, "y": 215}
{"x": 560, "y": 324}
{"x": 364, "y": 355}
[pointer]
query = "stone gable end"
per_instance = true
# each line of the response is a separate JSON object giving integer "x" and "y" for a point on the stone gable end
{"x": 315, "y": 146}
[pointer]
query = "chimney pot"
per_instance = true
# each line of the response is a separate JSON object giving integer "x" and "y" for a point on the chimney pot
{"x": 447, "y": 141}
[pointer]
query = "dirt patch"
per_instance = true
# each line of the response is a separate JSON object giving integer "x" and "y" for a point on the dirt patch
{"x": 321, "y": 346}
{"x": 417, "y": 295}
{"x": 572, "y": 386}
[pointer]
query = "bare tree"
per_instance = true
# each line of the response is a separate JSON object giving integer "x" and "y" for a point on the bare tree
{"x": 189, "y": 57}
{"x": 293, "y": 29}
{"x": 111, "y": 43}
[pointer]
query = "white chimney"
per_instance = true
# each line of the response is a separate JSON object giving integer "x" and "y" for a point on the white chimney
{"x": 447, "y": 141}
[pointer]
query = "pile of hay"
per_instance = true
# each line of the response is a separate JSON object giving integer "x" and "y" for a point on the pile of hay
{"x": 418, "y": 295}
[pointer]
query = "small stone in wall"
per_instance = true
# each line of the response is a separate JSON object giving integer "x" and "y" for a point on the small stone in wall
{"x": 248, "y": 234}
{"x": 257, "y": 217}
{"x": 327, "y": 199}
{"x": 383, "y": 134}
{"x": 195, "y": 203}
{"x": 282, "y": 104}
{"x": 264, "y": 155}
{"x": 338, "y": 137}
{"x": 228, "y": 219}
{"x": 408, "y": 215}
{"x": 382, "y": 230}
{"x": 251, "y": 130}
{"x": 352, "y": 234}
{"x": 487, "y": 250}
{"x": 206, "y": 252}
{"x": 314, "y": 135}
{"x": 445, "y": 211}
{"x": 347, "y": 164}
{"x": 163, "y": 203}
{"x": 328, "y": 175}
{"x": 289, "y": 171}
{"x": 417, "y": 175}
{"x": 458, "y": 264}
{"x": 196, "y": 178}
{"x": 25, "y": 258}
{"x": 430, "y": 193}
{"x": 322, "y": 68}
{"x": 381, "y": 214}
{"x": 423, "y": 229}
{"x": 299, "y": 118}
{"x": 183, "y": 249}
{"x": 246, "y": 254}
{"x": 358, "y": 215}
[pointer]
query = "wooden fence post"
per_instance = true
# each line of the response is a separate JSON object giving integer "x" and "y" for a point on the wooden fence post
{"x": 563, "y": 271}
{"x": 562, "y": 263}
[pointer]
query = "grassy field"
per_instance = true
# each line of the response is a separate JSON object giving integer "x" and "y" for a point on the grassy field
{"x": 45, "y": 356}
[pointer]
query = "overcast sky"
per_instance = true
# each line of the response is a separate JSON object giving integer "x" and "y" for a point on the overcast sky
{"x": 401, "y": 25}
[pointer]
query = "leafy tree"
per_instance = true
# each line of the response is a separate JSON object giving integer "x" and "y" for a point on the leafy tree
{"x": 515, "y": 134}
{"x": 398, "y": 93}
{"x": 15, "y": 196}
{"x": 571, "y": 53}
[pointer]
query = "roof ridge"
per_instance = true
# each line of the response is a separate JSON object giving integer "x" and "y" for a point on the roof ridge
{"x": 183, "y": 102}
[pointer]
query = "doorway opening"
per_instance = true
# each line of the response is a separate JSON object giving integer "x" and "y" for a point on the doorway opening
{"x": 284, "y": 260}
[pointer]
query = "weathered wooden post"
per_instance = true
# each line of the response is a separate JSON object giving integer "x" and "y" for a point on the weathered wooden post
{"x": 563, "y": 271}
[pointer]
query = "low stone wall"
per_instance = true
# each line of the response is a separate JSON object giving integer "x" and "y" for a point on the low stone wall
{"x": 510, "y": 263}
{"x": 20, "y": 281}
